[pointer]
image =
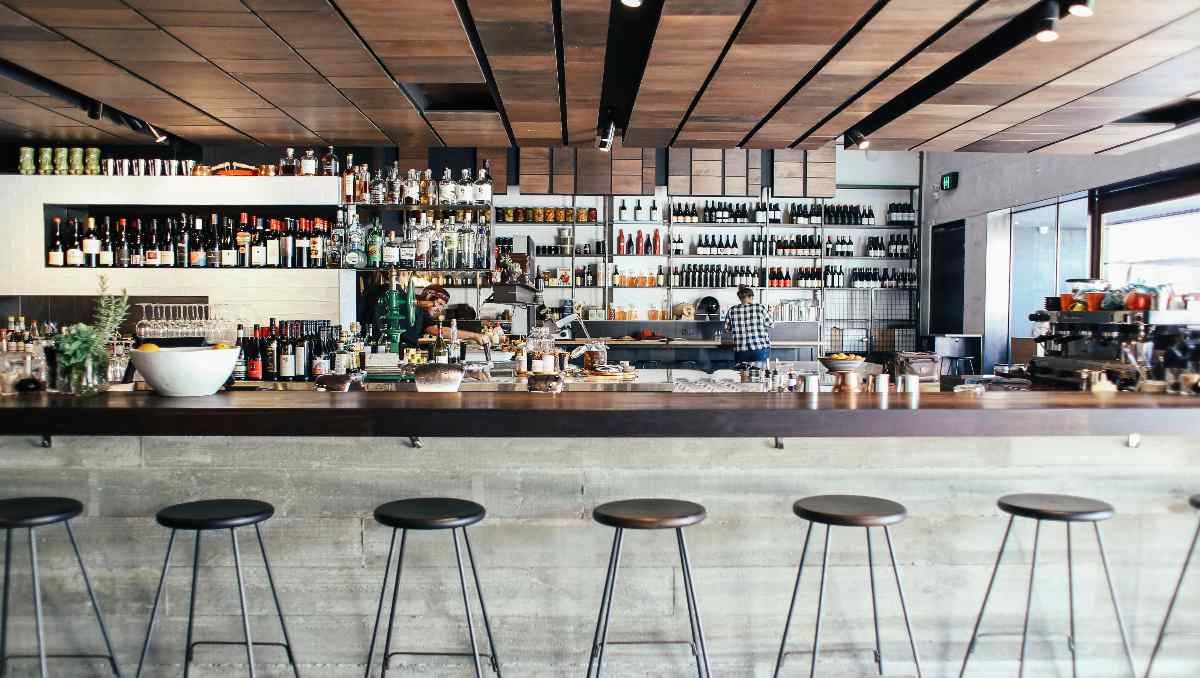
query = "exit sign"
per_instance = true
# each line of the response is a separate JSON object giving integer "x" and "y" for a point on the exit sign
{"x": 950, "y": 181}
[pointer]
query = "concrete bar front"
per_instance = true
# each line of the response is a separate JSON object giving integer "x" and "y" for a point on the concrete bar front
{"x": 543, "y": 560}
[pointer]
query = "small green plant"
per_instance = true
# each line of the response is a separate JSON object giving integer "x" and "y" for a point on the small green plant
{"x": 80, "y": 342}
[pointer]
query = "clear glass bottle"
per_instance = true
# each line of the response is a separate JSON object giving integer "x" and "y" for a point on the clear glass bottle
{"x": 483, "y": 185}
{"x": 348, "y": 180}
{"x": 408, "y": 248}
{"x": 354, "y": 251}
{"x": 391, "y": 251}
{"x": 447, "y": 188}
{"x": 431, "y": 189}
{"x": 378, "y": 188}
{"x": 308, "y": 164}
{"x": 330, "y": 167}
{"x": 466, "y": 189}
{"x": 288, "y": 166}
{"x": 412, "y": 189}
{"x": 426, "y": 184}
{"x": 396, "y": 185}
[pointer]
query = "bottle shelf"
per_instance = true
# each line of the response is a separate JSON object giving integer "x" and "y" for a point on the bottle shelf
{"x": 864, "y": 227}
{"x": 387, "y": 207}
{"x": 675, "y": 224}
{"x": 838, "y": 258}
{"x": 716, "y": 257}
{"x": 549, "y": 223}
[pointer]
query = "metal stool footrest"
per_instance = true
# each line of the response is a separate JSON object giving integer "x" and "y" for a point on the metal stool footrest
{"x": 691, "y": 645}
{"x": 237, "y": 643}
{"x": 482, "y": 655}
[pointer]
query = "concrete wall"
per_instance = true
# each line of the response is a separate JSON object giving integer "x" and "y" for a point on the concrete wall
{"x": 543, "y": 559}
{"x": 293, "y": 294}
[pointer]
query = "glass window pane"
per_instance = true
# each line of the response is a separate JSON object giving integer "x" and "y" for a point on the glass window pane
{"x": 1074, "y": 235}
{"x": 1154, "y": 244}
{"x": 1034, "y": 260}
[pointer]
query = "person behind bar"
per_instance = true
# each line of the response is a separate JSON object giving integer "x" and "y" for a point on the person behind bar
{"x": 430, "y": 303}
{"x": 750, "y": 325}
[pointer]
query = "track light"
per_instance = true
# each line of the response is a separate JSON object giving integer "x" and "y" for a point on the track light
{"x": 858, "y": 140}
{"x": 95, "y": 110}
{"x": 632, "y": 3}
{"x": 605, "y": 141}
{"x": 1048, "y": 22}
{"x": 159, "y": 137}
{"x": 1082, "y": 8}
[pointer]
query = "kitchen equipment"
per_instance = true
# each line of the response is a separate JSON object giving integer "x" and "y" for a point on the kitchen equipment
{"x": 708, "y": 308}
{"x": 186, "y": 371}
{"x": 925, "y": 366}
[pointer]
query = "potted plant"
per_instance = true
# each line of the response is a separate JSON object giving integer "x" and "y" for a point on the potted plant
{"x": 81, "y": 350}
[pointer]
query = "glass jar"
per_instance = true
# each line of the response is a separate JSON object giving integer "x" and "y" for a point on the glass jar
{"x": 539, "y": 215}
{"x": 593, "y": 215}
{"x": 520, "y": 215}
{"x": 581, "y": 215}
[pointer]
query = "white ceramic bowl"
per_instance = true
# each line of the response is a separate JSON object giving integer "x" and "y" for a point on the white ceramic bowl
{"x": 842, "y": 365}
{"x": 186, "y": 371}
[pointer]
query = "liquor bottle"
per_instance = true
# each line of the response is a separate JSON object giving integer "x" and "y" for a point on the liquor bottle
{"x": 447, "y": 188}
{"x": 271, "y": 254}
{"x": 621, "y": 242}
{"x": 286, "y": 352}
{"x": 91, "y": 245}
{"x": 197, "y": 252}
{"x": 465, "y": 192}
{"x": 287, "y": 243}
{"x": 150, "y": 255}
{"x": 653, "y": 211}
{"x": 288, "y": 166}
{"x": 308, "y": 163}
{"x": 300, "y": 352}
{"x": 378, "y": 191}
{"x": 316, "y": 243}
{"x": 354, "y": 254}
{"x": 269, "y": 353}
{"x": 348, "y": 180}
{"x": 330, "y": 167}
{"x": 623, "y": 213}
{"x": 412, "y": 188}
{"x": 55, "y": 257}
{"x": 375, "y": 245}
{"x": 431, "y": 188}
{"x": 638, "y": 214}
{"x": 137, "y": 248}
{"x": 483, "y": 185}
{"x": 657, "y": 243}
{"x": 74, "y": 249}
{"x": 212, "y": 243}
{"x": 252, "y": 356}
{"x": 113, "y": 243}
{"x": 391, "y": 251}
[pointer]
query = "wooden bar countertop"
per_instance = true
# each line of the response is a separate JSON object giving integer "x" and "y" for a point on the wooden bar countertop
{"x": 602, "y": 414}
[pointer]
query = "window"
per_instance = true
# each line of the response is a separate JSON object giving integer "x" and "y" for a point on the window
{"x": 1154, "y": 244}
{"x": 1049, "y": 246}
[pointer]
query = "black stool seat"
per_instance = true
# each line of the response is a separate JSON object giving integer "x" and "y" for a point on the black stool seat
{"x": 1195, "y": 501}
{"x": 430, "y": 513}
{"x": 215, "y": 514}
{"x": 850, "y": 510}
{"x": 649, "y": 514}
{"x": 22, "y": 512}
{"x": 1059, "y": 507}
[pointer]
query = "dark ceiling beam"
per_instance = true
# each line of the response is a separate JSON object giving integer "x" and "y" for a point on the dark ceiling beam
{"x": 468, "y": 23}
{"x": 561, "y": 66}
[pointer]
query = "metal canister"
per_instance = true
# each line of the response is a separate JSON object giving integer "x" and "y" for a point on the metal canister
{"x": 25, "y": 161}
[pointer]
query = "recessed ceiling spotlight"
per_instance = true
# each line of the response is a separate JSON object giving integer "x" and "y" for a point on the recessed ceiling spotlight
{"x": 1082, "y": 8}
{"x": 858, "y": 140}
{"x": 1048, "y": 22}
{"x": 632, "y": 3}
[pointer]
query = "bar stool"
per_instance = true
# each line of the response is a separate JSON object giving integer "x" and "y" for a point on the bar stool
{"x": 218, "y": 514}
{"x": 648, "y": 514}
{"x": 432, "y": 513}
{"x": 1162, "y": 631}
{"x": 1059, "y": 508}
{"x": 845, "y": 510}
{"x": 30, "y": 513}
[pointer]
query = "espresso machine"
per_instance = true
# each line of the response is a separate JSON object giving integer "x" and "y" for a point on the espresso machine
{"x": 1126, "y": 346}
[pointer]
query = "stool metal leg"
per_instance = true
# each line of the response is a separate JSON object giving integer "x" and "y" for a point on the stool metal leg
{"x": 792, "y": 607}
{"x": 610, "y": 585}
{"x": 287, "y": 640}
{"x": 87, "y": 581}
{"x": 387, "y": 569}
{"x": 816, "y": 650}
{"x": 1162, "y": 631}
{"x": 987, "y": 594}
{"x": 874, "y": 603}
{"x": 387, "y": 644}
{"x": 4, "y": 603}
{"x": 1071, "y": 606}
{"x": 162, "y": 580}
{"x": 37, "y": 601}
{"x": 487, "y": 624}
{"x": 237, "y": 565}
{"x": 1037, "y": 530}
{"x": 912, "y": 643}
{"x": 1112, "y": 592}
{"x": 690, "y": 590}
{"x": 462, "y": 582}
{"x": 188, "y": 647}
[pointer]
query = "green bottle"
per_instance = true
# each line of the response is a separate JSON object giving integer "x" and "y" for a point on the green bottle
{"x": 375, "y": 245}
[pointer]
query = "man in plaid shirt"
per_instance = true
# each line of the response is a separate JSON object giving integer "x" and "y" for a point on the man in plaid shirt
{"x": 750, "y": 324}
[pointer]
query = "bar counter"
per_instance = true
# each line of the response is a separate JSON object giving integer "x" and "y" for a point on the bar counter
{"x": 603, "y": 414}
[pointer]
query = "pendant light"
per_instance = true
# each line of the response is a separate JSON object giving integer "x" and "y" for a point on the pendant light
{"x": 1048, "y": 22}
{"x": 1082, "y": 8}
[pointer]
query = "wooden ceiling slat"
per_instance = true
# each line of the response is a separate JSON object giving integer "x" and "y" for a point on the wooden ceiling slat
{"x": 897, "y": 29}
{"x": 469, "y": 128}
{"x": 772, "y": 53}
{"x": 585, "y": 36}
{"x": 518, "y": 37}
{"x": 39, "y": 49}
{"x": 417, "y": 41}
{"x": 1098, "y": 139}
{"x": 686, "y": 46}
{"x": 1013, "y": 87}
